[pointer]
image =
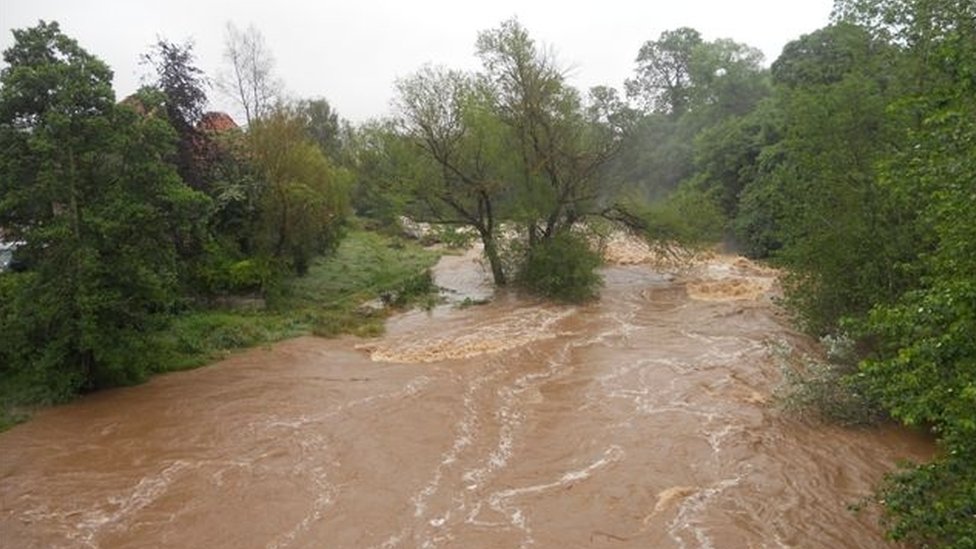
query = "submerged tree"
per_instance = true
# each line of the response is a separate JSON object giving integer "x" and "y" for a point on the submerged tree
{"x": 559, "y": 145}
{"x": 462, "y": 172}
{"x": 514, "y": 142}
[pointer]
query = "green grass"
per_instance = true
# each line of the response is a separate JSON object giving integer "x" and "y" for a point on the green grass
{"x": 325, "y": 302}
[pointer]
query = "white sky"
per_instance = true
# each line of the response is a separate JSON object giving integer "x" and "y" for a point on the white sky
{"x": 352, "y": 51}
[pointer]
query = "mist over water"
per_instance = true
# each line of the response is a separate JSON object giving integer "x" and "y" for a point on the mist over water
{"x": 641, "y": 420}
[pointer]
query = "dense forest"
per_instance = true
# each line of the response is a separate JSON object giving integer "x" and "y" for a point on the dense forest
{"x": 850, "y": 162}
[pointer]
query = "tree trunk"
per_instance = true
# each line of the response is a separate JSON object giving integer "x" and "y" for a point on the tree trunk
{"x": 491, "y": 252}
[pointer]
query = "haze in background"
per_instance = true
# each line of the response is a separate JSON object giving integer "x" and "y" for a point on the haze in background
{"x": 351, "y": 52}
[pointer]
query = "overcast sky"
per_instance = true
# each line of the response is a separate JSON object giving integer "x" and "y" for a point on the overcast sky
{"x": 352, "y": 51}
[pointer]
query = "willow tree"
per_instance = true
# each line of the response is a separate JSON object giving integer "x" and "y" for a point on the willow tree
{"x": 560, "y": 145}
{"x": 513, "y": 142}
{"x": 303, "y": 199}
{"x": 462, "y": 171}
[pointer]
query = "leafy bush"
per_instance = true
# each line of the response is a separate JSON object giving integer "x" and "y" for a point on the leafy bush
{"x": 933, "y": 505}
{"x": 562, "y": 268}
{"x": 250, "y": 275}
{"x": 827, "y": 389}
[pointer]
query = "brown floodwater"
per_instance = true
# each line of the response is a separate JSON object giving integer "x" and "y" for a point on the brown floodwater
{"x": 643, "y": 420}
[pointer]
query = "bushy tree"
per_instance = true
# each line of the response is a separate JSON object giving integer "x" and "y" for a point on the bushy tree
{"x": 322, "y": 125}
{"x": 844, "y": 243}
{"x": 85, "y": 186}
{"x": 183, "y": 86}
{"x": 664, "y": 71}
{"x": 561, "y": 146}
{"x": 303, "y": 199}
{"x": 563, "y": 268}
{"x": 869, "y": 192}
{"x": 463, "y": 166}
{"x": 514, "y": 142}
{"x": 697, "y": 126}
{"x": 923, "y": 368}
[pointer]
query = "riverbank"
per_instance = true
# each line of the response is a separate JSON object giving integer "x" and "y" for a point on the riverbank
{"x": 368, "y": 268}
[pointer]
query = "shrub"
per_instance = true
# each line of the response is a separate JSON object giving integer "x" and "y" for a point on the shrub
{"x": 251, "y": 275}
{"x": 827, "y": 389}
{"x": 562, "y": 268}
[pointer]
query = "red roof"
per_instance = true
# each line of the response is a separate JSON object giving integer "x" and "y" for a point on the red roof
{"x": 216, "y": 122}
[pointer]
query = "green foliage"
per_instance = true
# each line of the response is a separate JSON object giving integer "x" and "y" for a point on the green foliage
{"x": 762, "y": 209}
{"x": 250, "y": 275}
{"x": 934, "y": 505}
{"x": 826, "y": 389}
{"x": 322, "y": 125}
{"x": 562, "y": 268}
{"x": 385, "y": 169}
{"x": 324, "y": 302}
{"x": 884, "y": 240}
{"x": 196, "y": 338}
{"x": 183, "y": 87}
{"x": 84, "y": 186}
{"x": 687, "y": 216}
{"x": 452, "y": 237}
{"x": 664, "y": 73}
{"x": 925, "y": 368}
{"x": 823, "y": 57}
{"x": 304, "y": 201}
{"x": 513, "y": 142}
{"x": 843, "y": 242}
{"x": 700, "y": 127}
{"x": 725, "y": 160}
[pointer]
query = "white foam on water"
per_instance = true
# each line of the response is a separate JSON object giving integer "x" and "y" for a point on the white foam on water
{"x": 411, "y": 388}
{"x": 466, "y": 431}
{"x": 121, "y": 506}
{"x": 692, "y": 506}
{"x": 501, "y": 501}
{"x": 327, "y": 496}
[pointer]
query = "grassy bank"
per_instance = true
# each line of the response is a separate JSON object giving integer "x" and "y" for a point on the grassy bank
{"x": 326, "y": 302}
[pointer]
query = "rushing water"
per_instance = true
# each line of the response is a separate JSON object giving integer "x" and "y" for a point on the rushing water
{"x": 642, "y": 420}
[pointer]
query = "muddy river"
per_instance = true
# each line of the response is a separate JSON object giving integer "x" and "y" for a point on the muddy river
{"x": 642, "y": 420}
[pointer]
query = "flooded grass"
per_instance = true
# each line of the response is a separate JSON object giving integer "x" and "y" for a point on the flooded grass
{"x": 328, "y": 301}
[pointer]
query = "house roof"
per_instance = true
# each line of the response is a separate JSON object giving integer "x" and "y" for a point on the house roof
{"x": 216, "y": 122}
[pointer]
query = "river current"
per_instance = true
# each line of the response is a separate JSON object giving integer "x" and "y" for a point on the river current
{"x": 645, "y": 419}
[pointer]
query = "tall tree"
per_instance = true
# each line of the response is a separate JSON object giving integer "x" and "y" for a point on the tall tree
{"x": 690, "y": 90}
{"x": 305, "y": 199}
{"x": 84, "y": 185}
{"x": 923, "y": 369}
{"x": 447, "y": 116}
{"x": 322, "y": 124}
{"x": 249, "y": 79}
{"x": 562, "y": 146}
{"x": 513, "y": 142}
{"x": 663, "y": 78}
{"x": 184, "y": 87}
